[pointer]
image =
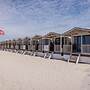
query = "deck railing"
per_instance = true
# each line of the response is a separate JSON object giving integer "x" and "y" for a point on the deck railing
{"x": 85, "y": 48}
{"x": 57, "y": 48}
{"x": 29, "y": 47}
{"x": 66, "y": 48}
{"x": 40, "y": 48}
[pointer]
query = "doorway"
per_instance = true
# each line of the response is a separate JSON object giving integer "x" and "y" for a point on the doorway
{"x": 51, "y": 46}
{"x": 77, "y": 44}
{"x": 26, "y": 47}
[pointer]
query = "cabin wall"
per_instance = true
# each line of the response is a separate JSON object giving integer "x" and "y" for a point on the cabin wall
{"x": 23, "y": 47}
{"x": 29, "y": 47}
{"x": 33, "y": 48}
{"x": 86, "y": 48}
{"x": 46, "y": 48}
{"x": 12, "y": 47}
{"x": 57, "y": 48}
{"x": 39, "y": 47}
{"x": 66, "y": 48}
{"x": 17, "y": 47}
{"x": 81, "y": 44}
{"x": 45, "y": 45}
{"x": 86, "y": 44}
{"x": 67, "y": 44}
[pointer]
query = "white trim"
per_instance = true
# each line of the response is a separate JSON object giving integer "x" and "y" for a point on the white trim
{"x": 81, "y": 44}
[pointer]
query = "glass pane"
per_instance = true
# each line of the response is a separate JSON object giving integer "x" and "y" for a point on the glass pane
{"x": 40, "y": 42}
{"x": 77, "y": 44}
{"x": 67, "y": 41}
{"x": 33, "y": 42}
{"x": 57, "y": 41}
{"x": 45, "y": 42}
{"x": 86, "y": 39}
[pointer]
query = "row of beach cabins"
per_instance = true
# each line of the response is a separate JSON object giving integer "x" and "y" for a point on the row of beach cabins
{"x": 72, "y": 45}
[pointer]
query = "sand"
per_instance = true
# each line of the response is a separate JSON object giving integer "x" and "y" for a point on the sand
{"x": 21, "y": 72}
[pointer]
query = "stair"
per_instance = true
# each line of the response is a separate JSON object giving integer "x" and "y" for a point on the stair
{"x": 47, "y": 55}
{"x": 74, "y": 58}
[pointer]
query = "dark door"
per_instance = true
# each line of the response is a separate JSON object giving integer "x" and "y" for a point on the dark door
{"x": 62, "y": 43}
{"x": 37, "y": 46}
{"x": 19, "y": 46}
{"x": 9, "y": 46}
{"x": 77, "y": 44}
{"x": 51, "y": 46}
{"x": 26, "y": 47}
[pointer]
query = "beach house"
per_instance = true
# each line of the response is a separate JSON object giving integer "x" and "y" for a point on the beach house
{"x": 80, "y": 41}
{"x": 36, "y": 44}
{"x": 48, "y": 42}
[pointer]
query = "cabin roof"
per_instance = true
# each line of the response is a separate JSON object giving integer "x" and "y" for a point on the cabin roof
{"x": 77, "y": 31}
{"x": 8, "y": 41}
{"x": 26, "y": 38}
{"x": 13, "y": 41}
{"x": 51, "y": 35}
{"x": 36, "y": 37}
{"x": 19, "y": 40}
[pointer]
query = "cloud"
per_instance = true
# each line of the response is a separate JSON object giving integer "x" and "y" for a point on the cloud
{"x": 29, "y": 17}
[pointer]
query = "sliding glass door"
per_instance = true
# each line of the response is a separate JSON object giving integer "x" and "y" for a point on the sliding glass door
{"x": 77, "y": 44}
{"x": 86, "y": 43}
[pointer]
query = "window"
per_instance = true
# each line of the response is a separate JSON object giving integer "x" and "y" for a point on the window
{"x": 33, "y": 42}
{"x": 57, "y": 41}
{"x": 45, "y": 41}
{"x": 40, "y": 42}
{"x": 86, "y": 39}
{"x": 67, "y": 41}
{"x": 77, "y": 40}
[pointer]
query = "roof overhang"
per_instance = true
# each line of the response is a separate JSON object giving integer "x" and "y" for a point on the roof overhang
{"x": 77, "y": 31}
{"x": 51, "y": 35}
{"x": 37, "y": 37}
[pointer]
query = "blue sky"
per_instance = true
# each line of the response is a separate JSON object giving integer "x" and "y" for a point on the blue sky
{"x": 21, "y": 18}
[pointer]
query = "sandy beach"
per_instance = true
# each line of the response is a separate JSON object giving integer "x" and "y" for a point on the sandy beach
{"x": 20, "y": 72}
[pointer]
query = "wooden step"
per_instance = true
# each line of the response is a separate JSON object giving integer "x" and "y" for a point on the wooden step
{"x": 74, "y": 58}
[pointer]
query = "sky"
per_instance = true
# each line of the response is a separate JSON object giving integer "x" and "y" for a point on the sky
{"x": 21, "y": 18}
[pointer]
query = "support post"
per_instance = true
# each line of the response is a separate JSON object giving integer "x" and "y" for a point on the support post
{"x": 61, "y": 45}
{"x": 81, "y": 44}
{"x": 49, "y": 45}
{"x": 71, "y": 49}
{"x": 78, "y": 58}
{"x": 71, "y": 44}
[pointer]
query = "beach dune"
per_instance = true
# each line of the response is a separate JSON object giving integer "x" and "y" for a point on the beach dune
{"x": 21, "y": 72}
